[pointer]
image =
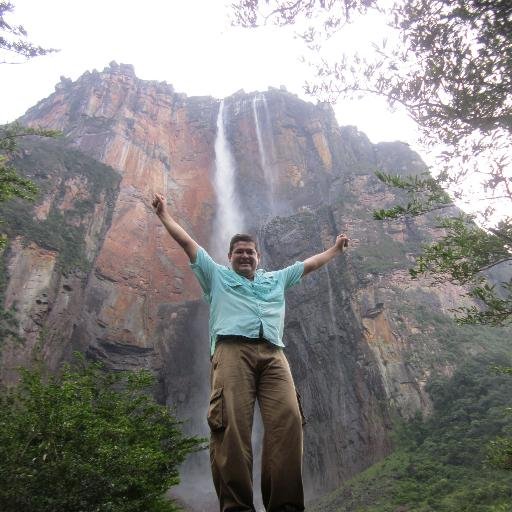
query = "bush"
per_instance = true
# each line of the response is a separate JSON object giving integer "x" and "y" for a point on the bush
{"x": 88, "y": 441}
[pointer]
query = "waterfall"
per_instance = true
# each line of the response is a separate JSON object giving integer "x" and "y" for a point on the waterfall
{"x": 265, "y": 158}
{"x": 229, "y": 217}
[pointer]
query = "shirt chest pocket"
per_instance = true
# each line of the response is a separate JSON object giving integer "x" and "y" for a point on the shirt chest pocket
{"x": 263, "y": 288}
{"x": 267, "y": 287}
{"x": 233, "y": 287}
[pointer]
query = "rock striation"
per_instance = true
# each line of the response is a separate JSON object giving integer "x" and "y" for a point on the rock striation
{"x": 358, "y": 331}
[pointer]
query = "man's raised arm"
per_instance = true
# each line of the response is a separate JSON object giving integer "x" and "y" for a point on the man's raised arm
{"x": 189, "y": 245}
{"x": 320, "y": 259}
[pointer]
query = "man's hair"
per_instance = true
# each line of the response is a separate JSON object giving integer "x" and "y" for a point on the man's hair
{"x": 242, "y": 237}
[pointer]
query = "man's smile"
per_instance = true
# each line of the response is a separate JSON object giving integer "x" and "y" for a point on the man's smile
{"x": 244, "y": 259}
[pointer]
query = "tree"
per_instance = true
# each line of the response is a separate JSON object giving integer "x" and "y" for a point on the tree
{"x": 440, "y": 461}
{"x": 13, "y": 39}
{"x": 11, "y": 183}
{"x": 88, "y": 440}
{"x": 450, "y": 66}
{"x": 500, "y": 448}
{"x": 468, "y": 419}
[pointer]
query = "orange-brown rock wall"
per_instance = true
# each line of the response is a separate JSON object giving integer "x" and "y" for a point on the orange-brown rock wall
{"x": 158, "y": 142}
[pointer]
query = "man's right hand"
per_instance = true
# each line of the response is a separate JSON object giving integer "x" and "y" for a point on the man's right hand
{"x": 159, "y": 204}
{"x": 188, "y": 244}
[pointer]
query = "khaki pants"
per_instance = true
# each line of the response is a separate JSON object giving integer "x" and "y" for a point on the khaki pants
{"x": 241, "y": 372}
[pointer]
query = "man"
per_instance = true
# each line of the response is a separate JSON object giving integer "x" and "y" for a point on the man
{"x": 246, "y": 327}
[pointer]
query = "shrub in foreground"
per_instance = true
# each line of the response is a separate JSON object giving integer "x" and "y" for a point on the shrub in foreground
{"x": 87, "y": 441}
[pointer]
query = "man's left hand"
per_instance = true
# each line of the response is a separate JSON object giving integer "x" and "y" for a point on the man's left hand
{"x": 341, "y": 242}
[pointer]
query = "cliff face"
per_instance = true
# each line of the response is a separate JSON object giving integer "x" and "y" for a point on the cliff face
{"x": 359, "y": 349}
{"x": 52, "y": 249}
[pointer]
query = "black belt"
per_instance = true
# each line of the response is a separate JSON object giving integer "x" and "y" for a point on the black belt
{"x": 234, "y": 337}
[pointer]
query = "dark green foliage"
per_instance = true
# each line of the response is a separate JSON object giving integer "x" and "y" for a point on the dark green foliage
{"x": 500, "y": 451}
{"x": 463, "y": 252}
{"x": 87, "y": 441}
{"x": 442, "y": 462}
{"x": 498, "y": 311}
{"x": 504, "y": 370}
{"x": 454, "y": 341}
{"x": 13, "y": 185}
{"x": 468, "y": 412}
{"x": 45, "y": 157}
{"x": 8, "y": 326}
{"x": 11, "y": 134}
{"x": 53, "y": 233}
{"x": 13, "y": 38}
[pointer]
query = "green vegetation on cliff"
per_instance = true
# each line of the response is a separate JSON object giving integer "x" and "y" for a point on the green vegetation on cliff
{"x": 384, "y": 255}
{"x": 12, "y": 185}
{"x": 8, "y": 322}
{"x": 52, "y": 165}
{"x": 453, "y": 342}
{"x": 442, "y": 463}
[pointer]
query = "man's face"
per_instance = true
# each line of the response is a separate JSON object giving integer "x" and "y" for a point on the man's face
{"x": 244, "y": 259}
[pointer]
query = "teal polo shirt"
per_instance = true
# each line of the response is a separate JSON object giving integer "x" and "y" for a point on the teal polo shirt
{"x": 239, "y": 306}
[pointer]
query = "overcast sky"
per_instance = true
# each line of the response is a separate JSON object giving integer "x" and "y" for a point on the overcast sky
{"x": 188, "y": 43}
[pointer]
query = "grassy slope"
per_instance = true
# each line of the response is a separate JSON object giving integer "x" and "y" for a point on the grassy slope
{"x": 397, "y": 485}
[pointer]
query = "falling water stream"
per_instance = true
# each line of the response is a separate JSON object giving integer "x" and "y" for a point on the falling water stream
{"x": 229, "y": 217}
{"x": 262, "y": 124}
